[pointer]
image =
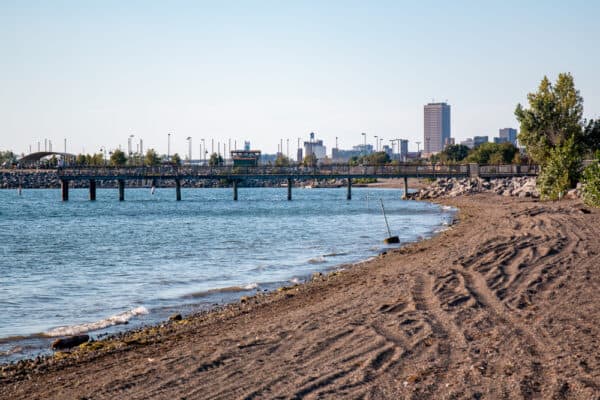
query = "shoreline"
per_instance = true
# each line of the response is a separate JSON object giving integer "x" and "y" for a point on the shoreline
{"x": 211, "y": 298}
{"x": 478, "y": 300}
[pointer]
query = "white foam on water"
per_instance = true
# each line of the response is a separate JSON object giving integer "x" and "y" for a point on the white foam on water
{"x": 117, "y": 319}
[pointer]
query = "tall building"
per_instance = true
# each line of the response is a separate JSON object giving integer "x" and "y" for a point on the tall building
{"x": 509, "y": 135}
{"x": 479, "y": 140}
{"x": 403, "y": 144}
{"x": 436, "y": 127}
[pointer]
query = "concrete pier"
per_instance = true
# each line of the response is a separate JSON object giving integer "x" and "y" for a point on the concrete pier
{"x": 405, "y": 195}
{"x": 64, "y": 188}
{"x": 92, "y": 190}
{"x": 349, "y": 193}
{"x": 289, "y": 187}
{"x": 235, "y": 191}
{"x": 178, "y": 189}
{"x": 121, "y": 189}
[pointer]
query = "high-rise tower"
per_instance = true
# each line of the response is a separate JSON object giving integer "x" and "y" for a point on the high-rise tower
{"x": 436, "y": 133}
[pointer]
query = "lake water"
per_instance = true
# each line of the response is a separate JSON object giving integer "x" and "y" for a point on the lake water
{"x": 81, "y": 266}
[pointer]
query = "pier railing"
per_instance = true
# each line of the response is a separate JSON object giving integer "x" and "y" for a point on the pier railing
{"x": 274, "y": 172}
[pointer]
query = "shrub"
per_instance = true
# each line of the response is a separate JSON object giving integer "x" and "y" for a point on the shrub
{"x": 591, "y": 185}
{"x": 561, "y": 171}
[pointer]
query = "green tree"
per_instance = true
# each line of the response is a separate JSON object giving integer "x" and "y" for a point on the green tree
{"x": 552, "y": 131}
{"x": 493, "y": 153}
{"x": 310, "y": 160}
{"x": 7, "y": 157}
{"x": 81, "y": 159}
{"x": 556, "y": 175}
{"x": 175, "y": 159}
{"x": 456, "y": 152}
{"x": 377, "y": 158}
{"x": 591, "y": 184}
{"x": 151, "y": 158}
{"x": 118, "y": 158}
{"x": 553, "y": 117}
{"x": 215, "y": 160}
{"x": 591, "y": 136}
{"x": 282, "y": 161}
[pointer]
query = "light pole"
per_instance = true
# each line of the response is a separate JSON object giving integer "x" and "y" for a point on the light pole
{"x": 129, "y": 145}
{"x": 103, "y": 150}
{"x": 287, "y": 150}
{"x": 203, "y": 153}
{"x": 189, "y": 139}
{"x": 376, "y": 143}
{"x": 365, "y": 145}
{"x": 169, "y": 147}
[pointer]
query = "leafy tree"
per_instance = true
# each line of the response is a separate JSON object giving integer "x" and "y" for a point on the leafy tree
{"x": 455, "y": 152}
{"x": 554, "y": 116}
{"x": 591, "y": 184}
{"x": 562, "y": 164}
{"x": 175, "y": 159}
{"x": 493, "y": 153}
{"x": 377, "y": 158}
{"x": 552, "y": 130}
{"x": 215, "y": 160}
{"x": 310, "y": 160}
{"x": 282, "y": 161}
{"x": 118, "y": 158}
{"x": 7, "y": 157}
{"x": 151, "y": 158}
{"x": 80, "y": 159}
{"x": 591, "y": 136}
{"x": 97, "y": 159}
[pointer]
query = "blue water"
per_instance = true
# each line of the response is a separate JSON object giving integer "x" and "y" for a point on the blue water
{"x": 68, "y": 267}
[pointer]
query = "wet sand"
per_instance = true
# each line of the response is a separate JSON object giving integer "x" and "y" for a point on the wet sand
{"x": 506, "y": 304}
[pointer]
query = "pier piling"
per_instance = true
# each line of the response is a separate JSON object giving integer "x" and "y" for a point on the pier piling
{"x": 349, "y": 193}
{"x": 178, "y": 189}
{"x": 92, "y": 190}
{"x": 235, "y": 190}
{"x": 64, "y": 187}
{"x": 289, "y": 187}
{"x": 121, "y": 189}
{"x": 405, "y": 195}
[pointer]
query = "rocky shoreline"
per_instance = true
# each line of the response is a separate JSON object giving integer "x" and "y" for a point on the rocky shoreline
{"x": 523, "y": 187}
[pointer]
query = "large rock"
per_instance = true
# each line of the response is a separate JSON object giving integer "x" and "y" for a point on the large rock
{"x": 68, "y": 342}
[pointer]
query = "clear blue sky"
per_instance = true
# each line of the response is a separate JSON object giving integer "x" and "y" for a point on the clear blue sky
{"x": 96, "y": 72}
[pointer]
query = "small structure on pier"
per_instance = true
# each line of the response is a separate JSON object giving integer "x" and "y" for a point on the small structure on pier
{"x": 245, "y": 158}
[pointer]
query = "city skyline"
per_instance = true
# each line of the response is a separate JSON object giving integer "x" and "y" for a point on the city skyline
{"x": 97, "y": 74}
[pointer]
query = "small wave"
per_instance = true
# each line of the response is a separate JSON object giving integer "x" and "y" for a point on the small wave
{"x": 295, "y": 280}
{"x": 334, "y": 254}
{"x": 117, "y": 319}
{"x": 229, "y": 289}
{"x": 317, "y": 260}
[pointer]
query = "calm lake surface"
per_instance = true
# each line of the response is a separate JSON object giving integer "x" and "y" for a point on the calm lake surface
{"x": 82, "y": 266}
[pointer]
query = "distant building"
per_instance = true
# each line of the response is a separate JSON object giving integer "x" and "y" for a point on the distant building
{"x": 315, "y": 147}
{"x": 403, "y": 149}
{"x": 363, "y": 149}
{"x": 468, "y": 142}
{"x": 499, "y": 140}
{"x": 479, "y": 140}
{"x": 436, "y": 127}
{"x": 509, "y": 134}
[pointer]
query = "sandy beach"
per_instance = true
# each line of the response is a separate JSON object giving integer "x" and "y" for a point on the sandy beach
{"x": 502, "y": 306}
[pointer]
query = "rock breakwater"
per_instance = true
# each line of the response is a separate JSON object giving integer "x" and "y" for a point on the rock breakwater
{"x": 514, "y": 187}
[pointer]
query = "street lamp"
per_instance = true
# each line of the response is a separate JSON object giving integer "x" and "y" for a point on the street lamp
{"x": 189, "y": 139}
{"x": 365, "y": 146}
{"x": 203, "y": 153}
{"x": 169, "y": 147}
{"x": 376, "y": 143}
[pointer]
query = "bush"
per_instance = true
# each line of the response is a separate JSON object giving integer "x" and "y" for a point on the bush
{"x": 561, "y": 171}
{"x": 591, "y": 185}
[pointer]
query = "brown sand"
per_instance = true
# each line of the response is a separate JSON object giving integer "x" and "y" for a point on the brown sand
{"x": 504, "y": 305}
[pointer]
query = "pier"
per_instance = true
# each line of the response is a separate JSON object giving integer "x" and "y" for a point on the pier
{"x": 235, "y": 175}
